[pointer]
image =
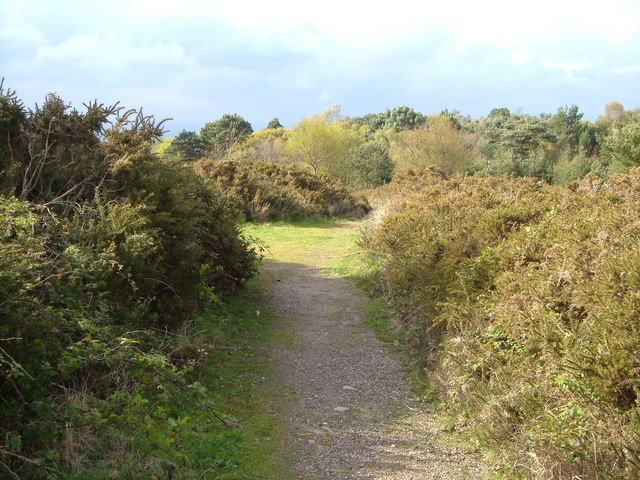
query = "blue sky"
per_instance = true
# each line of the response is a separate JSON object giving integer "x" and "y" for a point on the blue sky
{"x": 195, "y": 60}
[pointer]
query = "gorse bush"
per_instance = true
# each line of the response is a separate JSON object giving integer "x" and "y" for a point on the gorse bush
{"x": 105, "y": 252}
{"x": 265, "y": 190}
{"x": 431, "y": 239}
{"x": 522, "y": 300}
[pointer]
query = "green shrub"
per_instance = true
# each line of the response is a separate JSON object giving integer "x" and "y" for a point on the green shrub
{"x": 367, "y": 166}
{"x": 265, "y": 190}
{"x": 102, "y": 260}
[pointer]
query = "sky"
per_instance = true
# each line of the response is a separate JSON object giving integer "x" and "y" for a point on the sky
{"x": 195, "y": 60}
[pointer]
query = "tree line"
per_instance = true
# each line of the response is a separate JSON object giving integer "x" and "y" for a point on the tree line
{"x": 364, "y": 152}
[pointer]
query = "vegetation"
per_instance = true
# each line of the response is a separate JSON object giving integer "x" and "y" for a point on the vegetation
{"x": 439, "y": 142}
{"x": 105, "y": 252}
{"x": 225, "y": 134}
{"x": 267, "y": 190}
{"x": 507, "y": 246}
{"x": 365, "y": 152}
{"x": 519, "y": 298}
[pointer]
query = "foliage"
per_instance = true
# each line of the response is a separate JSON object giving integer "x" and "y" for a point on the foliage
{"x": 367, "y": 166}
{"x": 105, "y": 250}
{"x": 516, "y": 134}
{"x": 555, "y": 147}
{"x": 396, "y": 119}
{"x": 57, "y": 156}
{"x": 521, "y": 299}
{"x": 320, "y": 144}
{"x": 570, "y": 168}
{"x": 12, "y": 119}
{"x": 274, "y": 123}
{"x": 566, "y": 126}
{"x": 438, "y": 142}
{"x": 187, "y": 145}
{"x": 623, "y": 145}
{"x": 222, "y": 136}
{"x": 266, "y": 145}
{"x": 266, "y": 190}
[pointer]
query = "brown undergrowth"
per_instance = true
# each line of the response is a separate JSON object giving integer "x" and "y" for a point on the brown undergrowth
{"x": 522, "y": 300}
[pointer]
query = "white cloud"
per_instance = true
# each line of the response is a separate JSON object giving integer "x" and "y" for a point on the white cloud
{"x": 501, "y": 21}
{"x": 627, "y": 69}
{"x": 25, "y": 36}
{"x": 108, "y": 51}
{"x": 519, "y": 56}
{"x": 512, "y": 23}
{"x": 568, "y": 67}
{"x": 284, "y": 54}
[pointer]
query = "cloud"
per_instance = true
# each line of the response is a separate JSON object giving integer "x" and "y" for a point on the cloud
{"x": 102, "y": 59}
{"x": 497, "y": 21}
{"x": 569, "y": 68}
{"x": 626, "y": 70}
{"x": 197, "y": 59}
{"x": 20, "y": 40}
{"x": 519, "y": 56}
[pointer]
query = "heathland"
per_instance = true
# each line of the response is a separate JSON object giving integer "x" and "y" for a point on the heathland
{"x": 214, "y": 305}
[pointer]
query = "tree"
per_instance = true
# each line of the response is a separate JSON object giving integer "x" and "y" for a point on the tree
{"x": 403, "y": 118}
{"x": 332, "y": 114}
{"x": 438, "y": 142}
{"x": 13, "y": 117}
{"x": 614, "y": 111}
{"x": 623, "y": 145}
{"x": 274, "y": 123}
{"x": 567, "y": 127}
{"x": 614, "y": 114}
{"x": 319, "y": 145}
{"x": 395, "y": 120}
{"x": 265, "y": 145}
{"x": 222, "y": 136}
{"x": 519, "y": 136}
{"x": 367, "y": 166}
{"x": 188, "y": 145}
{"x": 499, "y": 113}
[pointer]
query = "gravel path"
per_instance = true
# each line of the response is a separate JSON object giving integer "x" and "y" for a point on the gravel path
{"x": 347, "y": 404}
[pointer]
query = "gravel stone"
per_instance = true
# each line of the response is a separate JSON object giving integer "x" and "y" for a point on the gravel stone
{"x": 349, "y": 410}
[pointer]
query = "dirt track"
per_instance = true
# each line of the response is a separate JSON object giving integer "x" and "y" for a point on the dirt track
{"x": 347, "y": 404}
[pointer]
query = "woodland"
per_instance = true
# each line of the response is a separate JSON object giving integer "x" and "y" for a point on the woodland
{"x": 505, "y": 248}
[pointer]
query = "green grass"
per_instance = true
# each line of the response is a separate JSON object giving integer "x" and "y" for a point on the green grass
{"x": 233, "y": 431}
{"x": 236, "y": 372}
{"x": 240, "y": 374}
{"x": 330, "y": 244}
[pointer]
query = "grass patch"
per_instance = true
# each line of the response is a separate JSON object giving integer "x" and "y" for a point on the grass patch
{"x": 380, "y": 320}
{"x": 236, "y": 376}
{"x": 314, "y": 241}
{"x": 233, "y": 431}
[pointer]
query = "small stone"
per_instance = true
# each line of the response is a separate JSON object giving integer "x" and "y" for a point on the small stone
{"x": 349, "y": 387}
{"x": 341, "y": 409}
